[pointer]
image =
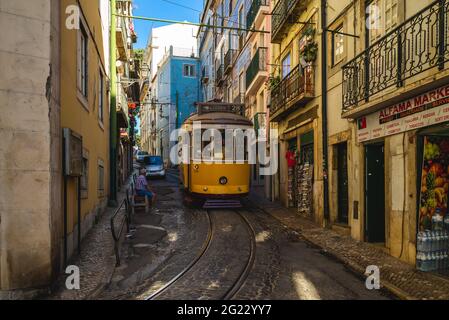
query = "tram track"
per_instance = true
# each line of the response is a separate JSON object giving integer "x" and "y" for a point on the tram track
{"x": 194, "y": 266}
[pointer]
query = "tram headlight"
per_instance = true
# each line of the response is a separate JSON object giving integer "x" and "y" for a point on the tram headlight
{"x": 223, "y": 180}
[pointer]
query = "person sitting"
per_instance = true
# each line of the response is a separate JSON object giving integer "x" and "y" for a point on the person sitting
{"x": 143, "y": 189}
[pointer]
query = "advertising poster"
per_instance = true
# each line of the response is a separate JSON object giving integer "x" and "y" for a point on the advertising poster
{"x": 434, "y": 180}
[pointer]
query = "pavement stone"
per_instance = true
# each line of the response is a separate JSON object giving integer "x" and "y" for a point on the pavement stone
{"x": 398, "y": 277}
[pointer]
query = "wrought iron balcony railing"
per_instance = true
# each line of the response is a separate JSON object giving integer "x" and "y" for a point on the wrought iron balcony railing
{"x": 219, "y": 75}
{"x": 253, "y": 11}
{"x": 296, "y": 87}
{"x": 229, "y": 59}
{"x": 257, "y": 64}
{"x": 417, "y": 45}
{"x": 281, "y": 14}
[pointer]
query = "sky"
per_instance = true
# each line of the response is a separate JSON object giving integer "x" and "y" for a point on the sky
{"x": 180, "y": 10}
{"x": 163, "y": 9}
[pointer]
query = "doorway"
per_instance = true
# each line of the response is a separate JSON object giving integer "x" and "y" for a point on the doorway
{"x": 342, "y": 187}
{"x": 375, "y": 193}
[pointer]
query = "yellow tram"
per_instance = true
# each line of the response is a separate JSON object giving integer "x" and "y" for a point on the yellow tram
{"x": 215, "y": 183}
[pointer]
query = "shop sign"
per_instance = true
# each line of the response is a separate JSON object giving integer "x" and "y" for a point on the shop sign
{"x": 422, "y": 111}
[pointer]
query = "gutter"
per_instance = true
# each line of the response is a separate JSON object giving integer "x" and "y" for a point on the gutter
{"x": 324, "y": 47}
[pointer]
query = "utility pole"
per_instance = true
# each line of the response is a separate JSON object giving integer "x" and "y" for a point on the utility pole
{"x": 324, "y": 108}
{"x": 113, "y": 108}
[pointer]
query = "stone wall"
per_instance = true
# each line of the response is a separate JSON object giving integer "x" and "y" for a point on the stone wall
{"x": 29, "y": 148}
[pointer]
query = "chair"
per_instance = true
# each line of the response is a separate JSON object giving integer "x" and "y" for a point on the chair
{"x": 137, "y": 201}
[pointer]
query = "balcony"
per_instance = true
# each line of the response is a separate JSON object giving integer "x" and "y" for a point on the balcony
{"x": 256, "y": 13}
{"x": 229, "y": 60}
{"x": 281, "y": 19}
{"x": 257, "y": 72}
{"x": 123, "y": 38}
{"x": 417, "y": 45}
{"x": 219, "y": 75}
{"x": 296, "y": 89}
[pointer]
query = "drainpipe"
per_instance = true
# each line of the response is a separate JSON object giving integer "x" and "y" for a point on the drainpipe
{"x": 113, "y": 109}
{"x": 324, "y": 106}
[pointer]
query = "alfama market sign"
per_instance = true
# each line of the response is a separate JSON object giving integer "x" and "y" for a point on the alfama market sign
{"x": 422, "y": 111}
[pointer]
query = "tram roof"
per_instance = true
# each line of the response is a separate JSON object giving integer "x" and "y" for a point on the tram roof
{"x": 219, "y": 113}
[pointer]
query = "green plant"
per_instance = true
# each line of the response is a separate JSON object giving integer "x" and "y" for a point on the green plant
{"x": 310, "y": 51}
{"x": 309, "y": 32}
{"x": 273, "y": 81}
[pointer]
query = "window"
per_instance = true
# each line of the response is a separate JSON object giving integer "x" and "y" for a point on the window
{"x": 338, "y": 48}
{"x": 101, "y": 98}
{"x": 101, "y": 178}
{"x": 85, "y": 177}
{"x": 391, "y": 14}
{"x": 286, "y": 66}
{"x": 189, "y": 70}
{"x": 83, "y": 49}
{"x": 241, "y": 19}
{"x": 382, "y": 18}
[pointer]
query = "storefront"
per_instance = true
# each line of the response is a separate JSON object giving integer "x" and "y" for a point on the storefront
{"x": 406, "y": 178}
{"x": 300, "y": 163}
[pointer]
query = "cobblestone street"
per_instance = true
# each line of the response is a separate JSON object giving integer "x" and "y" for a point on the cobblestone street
{"x": 191, "y": 253}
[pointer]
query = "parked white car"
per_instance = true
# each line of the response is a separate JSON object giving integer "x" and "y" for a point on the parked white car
{"x": 154, "y": 165}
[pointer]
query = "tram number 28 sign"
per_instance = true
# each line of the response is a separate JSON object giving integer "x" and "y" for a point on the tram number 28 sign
{"x": 421, "y": 111}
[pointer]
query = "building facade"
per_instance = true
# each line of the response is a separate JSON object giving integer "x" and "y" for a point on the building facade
{"x": 128, "y": 91}
{"x": 296, "y": 105}
{"x": 63, "y": 125}
{"x": 85, "y": 111}
{"x": 235, "y": 60}
{"x": 181, "y": 42}
{"x": 393, "y": 95}
{"x": 177, "y": 91}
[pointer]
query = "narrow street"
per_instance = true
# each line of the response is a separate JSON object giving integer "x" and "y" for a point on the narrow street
{"x": 217, "y": 150}
{"x": 242, "y": 254}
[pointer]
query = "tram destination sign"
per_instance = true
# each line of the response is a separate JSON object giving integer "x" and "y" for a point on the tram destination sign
{"x": 424, "y": 110}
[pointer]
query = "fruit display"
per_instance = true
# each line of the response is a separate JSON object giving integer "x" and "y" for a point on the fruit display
{"x": 434, "y": 180}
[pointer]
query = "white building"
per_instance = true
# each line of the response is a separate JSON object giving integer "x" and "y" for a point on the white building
{"x": 184, "y": 42}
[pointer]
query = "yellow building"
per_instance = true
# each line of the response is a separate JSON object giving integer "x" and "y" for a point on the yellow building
{"x": 295, "y": 105}
{"x": 85, "y": 110}
{"x": 257, "y": 74}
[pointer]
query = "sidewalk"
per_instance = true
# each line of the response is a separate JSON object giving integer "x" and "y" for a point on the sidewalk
{"x": 96, "y": 261}
{"x": 398, "y": 277}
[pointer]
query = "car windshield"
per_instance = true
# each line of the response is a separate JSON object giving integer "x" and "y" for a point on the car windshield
{"x": 153, "y": 160}
{"x": 142, "y": 153}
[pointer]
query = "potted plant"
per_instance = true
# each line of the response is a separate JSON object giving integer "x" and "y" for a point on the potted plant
{"x": 273, "y": 81}
{"x": 309, "y": 52}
